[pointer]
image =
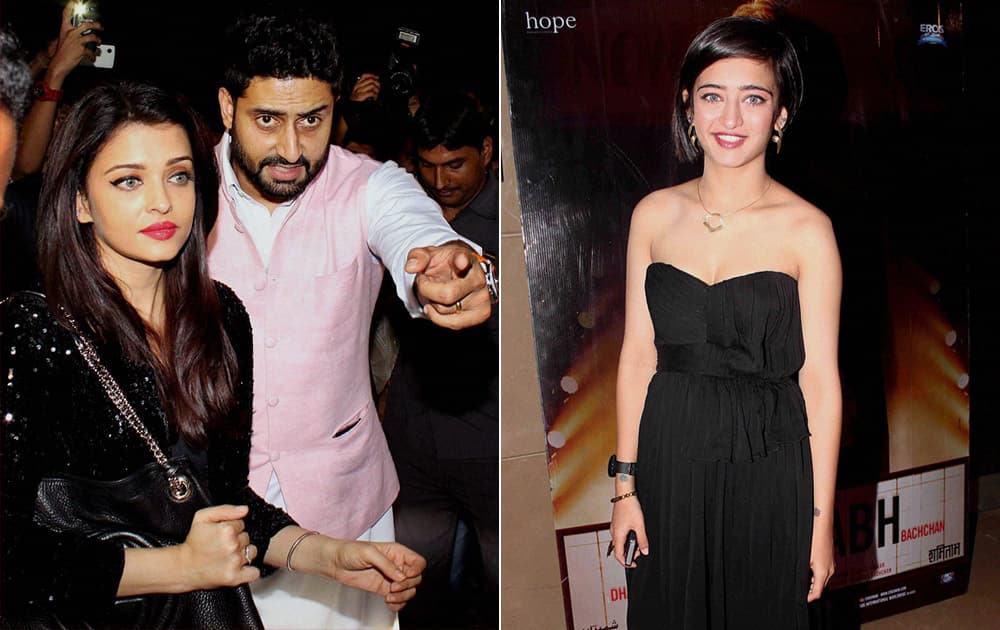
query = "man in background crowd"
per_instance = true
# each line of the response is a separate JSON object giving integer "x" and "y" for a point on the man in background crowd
{"x": 442, "y": 425}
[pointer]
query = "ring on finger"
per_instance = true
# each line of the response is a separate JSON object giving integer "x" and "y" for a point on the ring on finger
{"x": 458, "y": 306}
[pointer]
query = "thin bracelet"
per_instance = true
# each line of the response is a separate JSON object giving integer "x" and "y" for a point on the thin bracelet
{"x": 624, "y": 496}
{"x": 291, "y": 550}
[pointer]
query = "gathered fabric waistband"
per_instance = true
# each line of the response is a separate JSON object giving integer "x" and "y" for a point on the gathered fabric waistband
{"x": 736, "y": 415}
{"x": 711, "y": 360}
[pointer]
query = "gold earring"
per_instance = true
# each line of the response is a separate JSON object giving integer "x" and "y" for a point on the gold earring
{"x": 693, "y": 136}
{"x": 777, "y": 137}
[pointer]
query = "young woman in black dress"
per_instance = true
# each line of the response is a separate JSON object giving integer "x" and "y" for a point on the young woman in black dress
{"x": 728, "y": 388}
{"x": 128, "y": 201}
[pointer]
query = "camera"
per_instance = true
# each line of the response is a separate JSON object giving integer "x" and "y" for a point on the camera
{"x": 400, "y": 77}
{"x": 384, "y": 118}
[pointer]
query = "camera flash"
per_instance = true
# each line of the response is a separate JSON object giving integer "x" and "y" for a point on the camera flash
{"x": 80, "y": 9}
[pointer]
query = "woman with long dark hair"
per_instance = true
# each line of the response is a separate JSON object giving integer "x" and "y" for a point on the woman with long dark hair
{"x": 128, "y": 201}
{"x": 728, "y": 387}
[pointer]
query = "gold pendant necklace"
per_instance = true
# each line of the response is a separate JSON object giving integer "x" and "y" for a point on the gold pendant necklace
{"x": 714, "y": 221}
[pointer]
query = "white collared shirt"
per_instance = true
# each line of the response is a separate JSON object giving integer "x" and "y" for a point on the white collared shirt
{"x": 260, "y": 223}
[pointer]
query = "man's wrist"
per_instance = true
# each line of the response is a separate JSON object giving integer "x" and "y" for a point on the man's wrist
{"x": 490, "y": 274}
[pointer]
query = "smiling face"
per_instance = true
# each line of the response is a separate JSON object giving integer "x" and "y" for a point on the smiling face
{"x": 280, "y": 130}
{"x": 140, "y": 196}
{"x": 733, "y": 105}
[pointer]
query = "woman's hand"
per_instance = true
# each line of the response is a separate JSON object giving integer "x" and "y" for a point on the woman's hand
{"x": 389, "y": 569}
{"x": 821, "y": 561}
{"x": 217, "y": 549}
{"x": 626, "y": 515}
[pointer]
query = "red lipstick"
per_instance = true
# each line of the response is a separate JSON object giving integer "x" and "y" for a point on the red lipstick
{"x": 160, "y": 231}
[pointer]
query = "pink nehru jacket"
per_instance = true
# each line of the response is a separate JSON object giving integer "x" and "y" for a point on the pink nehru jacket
{"x": 311, "y": 310}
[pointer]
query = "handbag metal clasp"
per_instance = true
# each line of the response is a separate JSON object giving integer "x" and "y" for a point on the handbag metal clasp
{"x": 180, "y": 488}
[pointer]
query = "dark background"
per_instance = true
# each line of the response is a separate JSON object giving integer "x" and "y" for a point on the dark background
{"x": 176, "y": 43}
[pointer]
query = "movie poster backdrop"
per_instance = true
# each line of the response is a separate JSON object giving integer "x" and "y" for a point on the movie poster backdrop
{"x": 590, "y": 87}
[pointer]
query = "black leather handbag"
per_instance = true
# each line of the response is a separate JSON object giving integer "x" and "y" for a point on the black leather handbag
{"x": 152, "y": 507}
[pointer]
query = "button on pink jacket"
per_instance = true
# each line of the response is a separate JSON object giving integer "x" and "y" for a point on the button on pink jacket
{"x": 311, "y": 311}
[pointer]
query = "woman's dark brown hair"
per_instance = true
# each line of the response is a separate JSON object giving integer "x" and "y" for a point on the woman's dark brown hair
{"x": 742, "y": 38}
{"x": 195, "y": 365}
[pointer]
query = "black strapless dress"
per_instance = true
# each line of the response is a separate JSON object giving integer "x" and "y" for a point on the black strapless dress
{"x": 725, "y": 471}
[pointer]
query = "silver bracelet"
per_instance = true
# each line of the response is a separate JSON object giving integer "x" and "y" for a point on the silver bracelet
{"x": 291, "y": 550}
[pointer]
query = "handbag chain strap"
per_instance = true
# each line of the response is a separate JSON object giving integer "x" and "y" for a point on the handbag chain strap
{"x": 180, "y": 485}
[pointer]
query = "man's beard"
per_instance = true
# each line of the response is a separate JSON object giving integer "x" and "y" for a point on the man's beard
{"x": 268, "y": 188}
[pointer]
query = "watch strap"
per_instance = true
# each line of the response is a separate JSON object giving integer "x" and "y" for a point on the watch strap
{"x": 489, "y": 271}
{"x": 616, "y": 467}
{"x": 43, "y": 92}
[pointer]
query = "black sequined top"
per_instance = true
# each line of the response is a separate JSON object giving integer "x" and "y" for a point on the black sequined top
{"x": 55, "y": 418}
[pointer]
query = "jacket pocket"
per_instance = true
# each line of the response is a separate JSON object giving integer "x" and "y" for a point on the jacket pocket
{"x": 351, "y": 424}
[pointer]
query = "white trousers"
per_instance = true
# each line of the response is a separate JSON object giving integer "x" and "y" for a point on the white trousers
{"x": 299, "y": 601}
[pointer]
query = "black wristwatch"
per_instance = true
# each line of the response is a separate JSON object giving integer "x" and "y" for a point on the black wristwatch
{"x": 616, "y": 467}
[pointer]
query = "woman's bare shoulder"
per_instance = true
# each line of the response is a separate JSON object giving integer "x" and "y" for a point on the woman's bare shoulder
{"x": 805, "y": 228}
{"x": 801, "y": 218}
{"x": 662, "y": 205}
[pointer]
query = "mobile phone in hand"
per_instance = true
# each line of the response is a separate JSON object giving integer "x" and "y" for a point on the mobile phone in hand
{"x": 631, "y": 547}
{"x": 83, "y": 12}
{"x": 104, "y": 57}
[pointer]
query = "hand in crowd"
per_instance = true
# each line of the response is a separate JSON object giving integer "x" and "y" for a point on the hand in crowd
{"x": 389, "y": 569}
{"x": 450, "y": 284}
{"x": 71, "y": 48}
{"x": 213, "y": 553}
{"x": 366, "y": 88}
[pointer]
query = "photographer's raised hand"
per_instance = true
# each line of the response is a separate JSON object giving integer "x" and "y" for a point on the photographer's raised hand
{"x": 366, "y": 88}
{"x": 72, "y": 47}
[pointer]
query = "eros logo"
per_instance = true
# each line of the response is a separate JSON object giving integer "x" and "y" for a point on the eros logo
{"x": 548, "y": 24}
{"x": 932, "y": 34}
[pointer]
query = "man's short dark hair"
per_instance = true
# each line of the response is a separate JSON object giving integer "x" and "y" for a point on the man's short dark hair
{"x": 15, "y": 78}
{"x": 452, "y": 119}
{"x": 281, "y": 46}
